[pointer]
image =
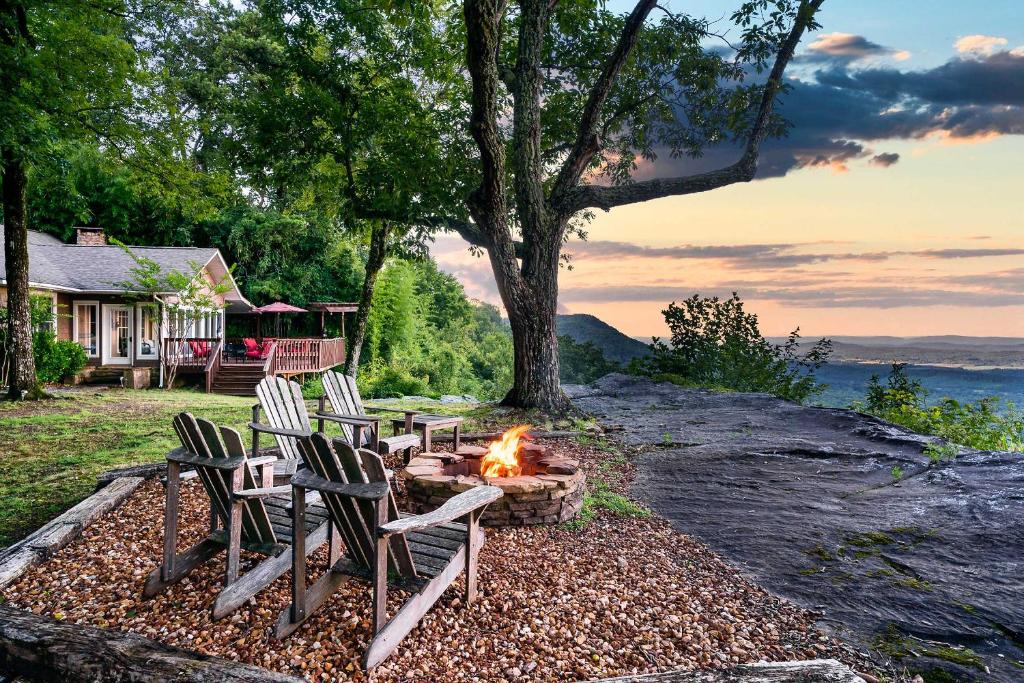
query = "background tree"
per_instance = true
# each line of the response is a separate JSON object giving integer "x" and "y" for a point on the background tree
{"x": 565, "y": 97}
{"x": 66, "y": 72}
{"x": 328, "y": 111}
{"x": 582, "y": 362}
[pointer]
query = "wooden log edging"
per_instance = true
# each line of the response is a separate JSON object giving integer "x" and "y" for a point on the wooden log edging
{"x": 44, "y": 649}
{"x": 808, "y": 671}
{"x": 62, "y": 530}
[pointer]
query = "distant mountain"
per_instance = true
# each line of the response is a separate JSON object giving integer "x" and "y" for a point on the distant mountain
{"x": 615, "y": 345}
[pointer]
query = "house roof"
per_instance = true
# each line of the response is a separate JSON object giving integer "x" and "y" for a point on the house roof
{"x": 53, "y": 264}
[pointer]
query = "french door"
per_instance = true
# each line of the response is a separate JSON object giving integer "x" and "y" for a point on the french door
{"x": 117, "y": 328}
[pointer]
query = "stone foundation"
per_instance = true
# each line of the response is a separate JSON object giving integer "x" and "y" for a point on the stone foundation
{"x": 549, "y": 490}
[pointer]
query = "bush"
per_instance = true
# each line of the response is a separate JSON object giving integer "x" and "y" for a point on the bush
{"x": 379, "y": 379}
{"x": 986, "y": 424}
{"x": 716, "y": 344}
{"x": 56, "y": 358}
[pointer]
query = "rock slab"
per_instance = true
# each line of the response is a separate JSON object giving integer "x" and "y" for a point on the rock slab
{"x": 804, "y": 500}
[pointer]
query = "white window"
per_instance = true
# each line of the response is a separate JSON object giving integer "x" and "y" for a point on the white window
{"x": 85, "y": 323}
{"x": 148, "y": 344}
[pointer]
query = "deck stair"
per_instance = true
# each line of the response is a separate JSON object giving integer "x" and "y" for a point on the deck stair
{"x": 238, "y": 380}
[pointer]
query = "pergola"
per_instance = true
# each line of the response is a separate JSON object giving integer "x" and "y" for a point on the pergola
{"x": 326, "y": 307}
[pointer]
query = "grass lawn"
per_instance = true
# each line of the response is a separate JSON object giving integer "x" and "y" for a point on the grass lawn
{"x": 52, "y": 450}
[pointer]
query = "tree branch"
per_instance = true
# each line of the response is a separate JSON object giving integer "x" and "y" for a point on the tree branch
{"x": 606, "y": 197}
{"x": 588, "y": 141}
{"x": 467, "y": 231}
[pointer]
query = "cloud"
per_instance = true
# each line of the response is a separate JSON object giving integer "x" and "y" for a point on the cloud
{"x": 979, "y": 44}
{"x": 768, "y": 256}
{"x": 840, "y": 112}
{"x": 882, "y": 296}
{"x": 885, "y": 159}
{"x": 850, "y": 47}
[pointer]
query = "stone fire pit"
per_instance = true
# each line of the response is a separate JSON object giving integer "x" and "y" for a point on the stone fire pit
{"x": 549, "y": 489}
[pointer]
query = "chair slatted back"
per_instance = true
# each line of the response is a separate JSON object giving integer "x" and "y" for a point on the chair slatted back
{"x": 343, "y": 395}
{"x": 200, "y": 438}
{"x": 356, "y": 519}
{"x": 283, "y": 408}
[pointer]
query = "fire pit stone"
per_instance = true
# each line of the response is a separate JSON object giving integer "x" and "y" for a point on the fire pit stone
{"x": 548, "y": 489}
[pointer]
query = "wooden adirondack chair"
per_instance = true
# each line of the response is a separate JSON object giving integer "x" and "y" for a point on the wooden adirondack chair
{"x": 423, "y": 554}
{"x": 285, "y": 410}
{"x": 341, "y": 392}
{"x": 250, "y": 512}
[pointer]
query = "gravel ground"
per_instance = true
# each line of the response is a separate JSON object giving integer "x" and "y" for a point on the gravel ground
{"x": 625, "y": 595}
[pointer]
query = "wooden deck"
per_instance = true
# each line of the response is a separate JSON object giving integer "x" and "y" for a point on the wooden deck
{"x": 228, "y": 370}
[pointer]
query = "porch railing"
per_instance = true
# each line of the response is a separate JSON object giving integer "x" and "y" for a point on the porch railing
{"x": 282, "y": 356}
{"x": 213, "y": 364}
{"x": 189, "y": 352}
{"x": 304, "y": 355}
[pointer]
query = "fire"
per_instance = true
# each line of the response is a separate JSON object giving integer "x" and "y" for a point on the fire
{"x": 502, "y": 459}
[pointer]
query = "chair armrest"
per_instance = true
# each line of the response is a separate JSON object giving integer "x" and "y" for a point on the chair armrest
{"x": 181, "y": 456}
{"x": 371, "y": 491}
{"x": 349, "y": 419}
{"x": 262, "y": 460}
{"x": 455, "y": 507}
{"x": 267, "y": 429}
{"x": 261, "y": 492}
{"x": 394, "y": 410}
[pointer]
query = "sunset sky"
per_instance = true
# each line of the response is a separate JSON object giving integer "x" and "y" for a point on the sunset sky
{"x": 895, "y": 206}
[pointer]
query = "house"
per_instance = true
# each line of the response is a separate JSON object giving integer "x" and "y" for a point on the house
{"x": 119, "y": 328}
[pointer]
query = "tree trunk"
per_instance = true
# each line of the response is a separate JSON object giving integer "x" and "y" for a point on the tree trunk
{"x": 374, "y": 263}
{"x": 22, "y": 375}
{"x": 530, "y": 295}
{"x": 535, "y": 341}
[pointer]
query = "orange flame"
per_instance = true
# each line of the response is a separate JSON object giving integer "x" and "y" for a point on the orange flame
{"x": 502, "y": 458}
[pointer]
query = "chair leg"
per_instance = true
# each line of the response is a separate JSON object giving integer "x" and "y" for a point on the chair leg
{"x": 380, "y": 570}
{"x": 426, "y": 439}
{"x": 235, "y": 528}
{"x": 457, "y": 437}
{"x": 171, "y": 519}
{"x": 298, "y": 610}
{"x": 472, "y": 553}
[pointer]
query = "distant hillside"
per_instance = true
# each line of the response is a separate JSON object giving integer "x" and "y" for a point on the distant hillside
{"x": 957, "y": 351}
{"x": 615, "y": 345}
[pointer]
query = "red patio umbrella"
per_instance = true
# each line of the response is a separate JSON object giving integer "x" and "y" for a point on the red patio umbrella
{"x": 278, "y": 307}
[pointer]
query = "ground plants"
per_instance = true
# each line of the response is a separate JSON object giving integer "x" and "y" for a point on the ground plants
{"x": 986, "y": 424}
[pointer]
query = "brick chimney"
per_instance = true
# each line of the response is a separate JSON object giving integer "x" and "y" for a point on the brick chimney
{"x": 90, "y": 237}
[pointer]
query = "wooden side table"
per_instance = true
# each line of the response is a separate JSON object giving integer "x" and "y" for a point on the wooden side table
{"x": 428, "y": 424}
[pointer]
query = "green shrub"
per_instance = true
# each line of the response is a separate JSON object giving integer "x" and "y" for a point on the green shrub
{"x": 388, "y": 380}
{"x": 56, "y": 358}
{"x": 986, "y": 424}
{"x": 714, "y": 343}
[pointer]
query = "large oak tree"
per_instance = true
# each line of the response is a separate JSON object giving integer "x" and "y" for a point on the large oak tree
{"x": 566, "y": 96}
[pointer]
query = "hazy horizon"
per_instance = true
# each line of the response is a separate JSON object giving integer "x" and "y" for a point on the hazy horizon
{"x": 892, "y": 208}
